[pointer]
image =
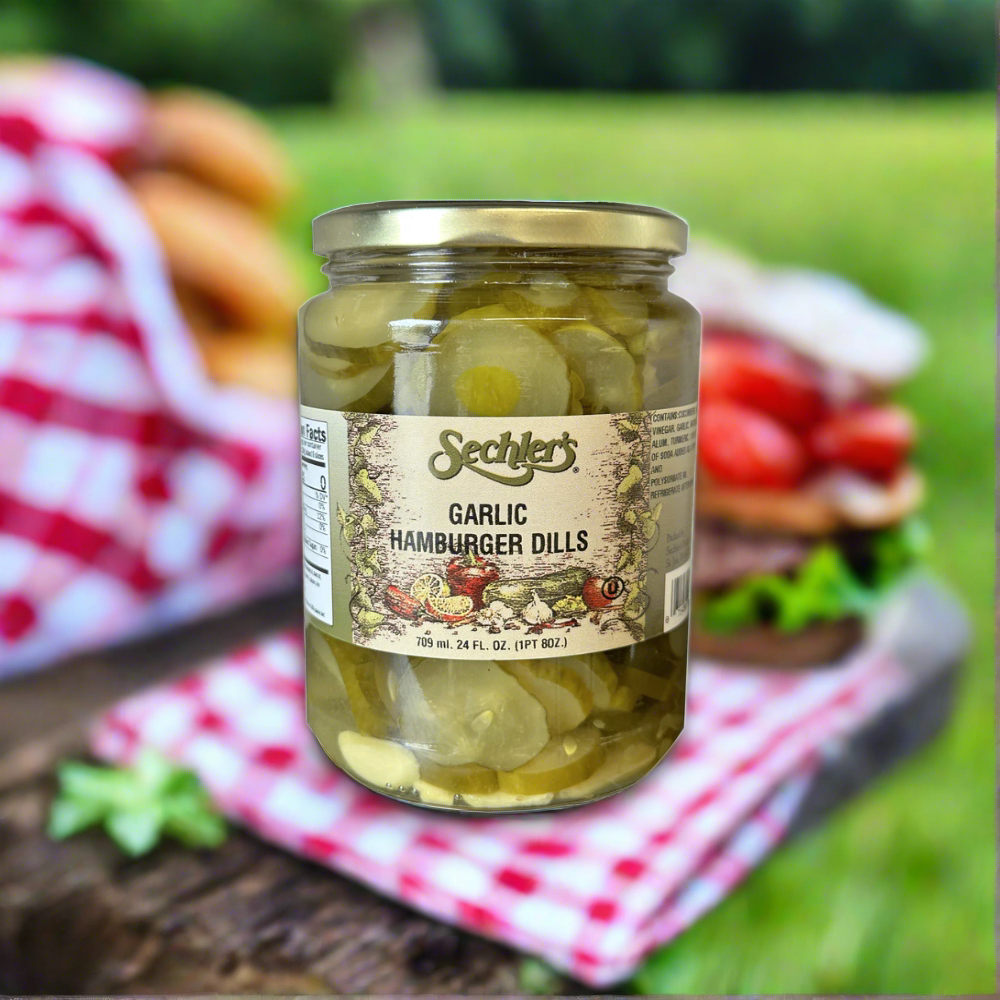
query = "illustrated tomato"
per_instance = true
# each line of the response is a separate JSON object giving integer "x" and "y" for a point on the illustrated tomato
{"x": 743, "y": 447}
{"x": 598, "y": 593}
{"x": 470, "y": 575}
{"x": 763, "y": 375}
{"x": 874, "y": 440}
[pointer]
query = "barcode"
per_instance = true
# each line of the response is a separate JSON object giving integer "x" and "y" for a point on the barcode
{"x": 679, "y": 592}
{"x": 677, "y": 596}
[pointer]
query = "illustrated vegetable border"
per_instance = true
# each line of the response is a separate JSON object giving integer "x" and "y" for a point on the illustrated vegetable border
{"x": 359, "y": 524}
{"x": 636, "y": 528}
{"x": 637, "y": 525}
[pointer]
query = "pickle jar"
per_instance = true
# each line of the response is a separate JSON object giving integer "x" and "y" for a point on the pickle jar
{"x": 498, "y": 414}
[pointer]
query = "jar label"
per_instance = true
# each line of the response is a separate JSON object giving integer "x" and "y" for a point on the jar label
{"x": 497, "y": 538}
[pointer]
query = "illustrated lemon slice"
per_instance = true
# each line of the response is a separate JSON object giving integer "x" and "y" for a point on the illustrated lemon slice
{"x": 596, "y": 671}
{"x": 486, "y": 364}
{"x": 378, "y": 762}
{"x": 566, "y": 760}
{"x": 469, "y": 712}
{"x": 460, "y": 779}
{"x": 608, "y": 372}
{"x": 450, "y": 608}
{"x": 366, "y": 314}
{"x": 429, "y": 585}
{"x": 622, "y": 312}
{"x": 623, "y": 765}
{"x": 565, "y": 697}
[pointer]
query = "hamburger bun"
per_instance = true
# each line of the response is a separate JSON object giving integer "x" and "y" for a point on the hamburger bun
{"x": 220, "y": 143}
{"x": 221, "y": 251}
{"x": 836, "y": 500}
{"x": 819, "y": 315}
{"x": 819, "y": 644}
{"x": 247, "y": 359}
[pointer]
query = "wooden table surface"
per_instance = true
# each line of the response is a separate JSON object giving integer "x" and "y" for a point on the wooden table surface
{"x": 78, "y": 917}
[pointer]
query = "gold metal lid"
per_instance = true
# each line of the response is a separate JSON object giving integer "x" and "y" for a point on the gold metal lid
{"x": 554, "y": 224}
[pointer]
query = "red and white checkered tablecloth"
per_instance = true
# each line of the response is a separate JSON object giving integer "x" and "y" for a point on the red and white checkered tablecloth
{"x": 133, "y": 492}
{"x": 591, "y": 890}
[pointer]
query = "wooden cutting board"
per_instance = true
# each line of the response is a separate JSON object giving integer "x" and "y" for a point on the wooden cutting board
{"x": 77, "y": 917}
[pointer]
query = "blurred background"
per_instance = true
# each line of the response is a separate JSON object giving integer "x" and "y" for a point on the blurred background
{"x": 854, "y": 137}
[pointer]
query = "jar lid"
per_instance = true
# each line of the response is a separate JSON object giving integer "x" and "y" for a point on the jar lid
{"x": 553, "y": 224}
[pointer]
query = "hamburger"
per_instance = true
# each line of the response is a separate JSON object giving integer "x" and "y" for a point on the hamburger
{"x": 807, "y": 499}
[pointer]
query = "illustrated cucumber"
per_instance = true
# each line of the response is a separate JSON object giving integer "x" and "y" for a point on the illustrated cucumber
{"x": 516, "y": 594}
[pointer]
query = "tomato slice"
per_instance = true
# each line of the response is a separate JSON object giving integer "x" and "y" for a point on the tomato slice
{"x": 763, "y": 375}
{"x": 744, "y": 447}
{"x": 874, "y": 440}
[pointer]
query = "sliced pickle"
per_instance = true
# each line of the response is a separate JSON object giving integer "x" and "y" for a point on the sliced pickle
{"x": 566, "y": 760}
{"x": 504, "y": 800}
{"x": 546, "y": 303}
{"x": 484, "y": 291}
{"x": 624, "y": 699}
{"x": 577, "y": 390}
{"x": 637, "y": 345}
{"x": 386, "y": 672}
{"x": 596, "y": 671}
{"x": 659, "y": 687}
{"x": 623, "y": 764}
{"x": 379, "y": 762}
{"x": 364, "y": 315}
{"x": 461, "y": 712}
{"x": 612, "y": 721}
{"x": 337, "y": 393}
{"x": 378, "y": 397}
{"x": 460, "y": 778}
{"x": 433, "y": 795}
{"x": 562, "y": 693}
{"x": 323, "y": 678}
{"x": 623, "y": 312}
{"x": 610, "y": 379}
{"x": 670, "y": 724}
{"x": 677, "y": 638}
{"x": 335, "y": 365}
{"x": 489, "y": 365}
{"x": 600, "y": 279}
{"x": 358, "y": 668}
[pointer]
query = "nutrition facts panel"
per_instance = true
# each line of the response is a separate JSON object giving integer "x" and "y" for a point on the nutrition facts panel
{"x": 316, "y": 568}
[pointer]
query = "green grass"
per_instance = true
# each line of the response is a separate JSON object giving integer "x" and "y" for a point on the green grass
{"x": 895, "y": 893}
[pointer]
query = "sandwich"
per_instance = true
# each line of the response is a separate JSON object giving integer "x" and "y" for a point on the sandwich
{"x": 807, "y": 496}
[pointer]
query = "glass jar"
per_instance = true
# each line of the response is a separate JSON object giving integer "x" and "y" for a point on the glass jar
{"x": 499, "y": 402}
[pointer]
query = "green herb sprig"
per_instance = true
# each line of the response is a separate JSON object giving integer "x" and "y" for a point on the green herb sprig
{"x": 136, "y": 805}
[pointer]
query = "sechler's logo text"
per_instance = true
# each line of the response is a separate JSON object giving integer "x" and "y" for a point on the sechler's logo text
{"x": 523, "y": 456}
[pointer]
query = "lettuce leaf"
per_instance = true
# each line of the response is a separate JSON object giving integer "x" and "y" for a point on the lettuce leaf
{"x": 823, "y": 589}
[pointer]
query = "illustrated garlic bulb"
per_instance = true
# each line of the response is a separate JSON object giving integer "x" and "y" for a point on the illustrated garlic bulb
{"x": 537, "y": 612}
